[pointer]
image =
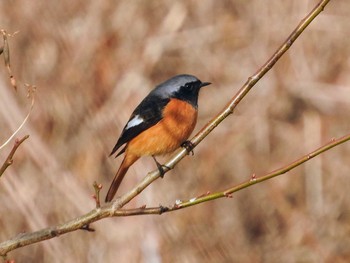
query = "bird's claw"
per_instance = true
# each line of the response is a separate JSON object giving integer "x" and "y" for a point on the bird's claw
{"x": 188, "y": 145}
{"x": 161, "y": 167}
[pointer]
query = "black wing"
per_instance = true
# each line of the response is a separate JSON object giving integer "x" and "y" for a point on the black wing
{"x": 146, "y": 114}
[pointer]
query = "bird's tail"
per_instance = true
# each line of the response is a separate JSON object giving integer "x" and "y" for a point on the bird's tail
{"x": 119, "y": 176}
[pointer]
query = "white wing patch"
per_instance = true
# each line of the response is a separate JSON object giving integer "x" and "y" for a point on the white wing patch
{"x": 134, "y": 122}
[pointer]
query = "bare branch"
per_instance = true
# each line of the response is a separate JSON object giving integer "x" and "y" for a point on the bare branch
{"x": 6, "y": 50}
{"x": 96, "y": 196}
{"x": 31, "y": 95}
{"x": 9, "y": 159}
{"x": 258, "y": 179}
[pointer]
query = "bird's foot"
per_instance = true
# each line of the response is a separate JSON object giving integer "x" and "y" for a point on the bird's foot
{"x": 188, "y": 146}
{"x": 161, "y": 168}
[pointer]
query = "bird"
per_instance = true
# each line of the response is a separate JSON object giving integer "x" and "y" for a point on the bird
{"x": 160, "y": 124}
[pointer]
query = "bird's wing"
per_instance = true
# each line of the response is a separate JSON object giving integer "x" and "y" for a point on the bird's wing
{"x": 146, "y": 114}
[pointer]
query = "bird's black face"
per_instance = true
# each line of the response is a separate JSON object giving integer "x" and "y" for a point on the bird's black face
{"x": 185, "y": 87}
{"x": 189, "y": 92}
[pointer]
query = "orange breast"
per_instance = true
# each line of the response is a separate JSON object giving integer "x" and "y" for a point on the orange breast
{"x": 179, "y": 120}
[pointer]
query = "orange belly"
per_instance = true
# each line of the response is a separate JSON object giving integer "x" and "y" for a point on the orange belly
{"x": 179, "y": 120}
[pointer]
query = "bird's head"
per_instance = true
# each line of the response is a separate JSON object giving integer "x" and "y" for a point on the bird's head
{"x": 184, "y": 87}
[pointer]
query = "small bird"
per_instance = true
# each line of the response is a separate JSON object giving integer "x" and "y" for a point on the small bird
{"x": 160, "y": 124}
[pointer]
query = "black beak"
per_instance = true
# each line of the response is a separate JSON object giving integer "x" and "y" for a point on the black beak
{"x": 205, "y": 84}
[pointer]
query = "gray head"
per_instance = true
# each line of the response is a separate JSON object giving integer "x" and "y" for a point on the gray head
{"x": 184, "y": 87}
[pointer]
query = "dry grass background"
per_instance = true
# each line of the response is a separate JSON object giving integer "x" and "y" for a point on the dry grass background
{"x": 93, "y": 61}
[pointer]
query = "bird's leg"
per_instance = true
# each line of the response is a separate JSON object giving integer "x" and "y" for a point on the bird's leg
{"x": 160, "y": 167}
{"x": 188, "y": 146}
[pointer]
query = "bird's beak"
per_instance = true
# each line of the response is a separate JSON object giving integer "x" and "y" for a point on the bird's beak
{"x": 205, "y": 84}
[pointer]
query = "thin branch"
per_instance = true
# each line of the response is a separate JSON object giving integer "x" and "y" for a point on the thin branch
{"x": 6, "y": 50}
{"x": 9, "y": 159}
{"x": 256, "y": 180}
{"x": 31, "y": 95}
{"x": 114, "y": 209}
{"x": 96, "y": 196}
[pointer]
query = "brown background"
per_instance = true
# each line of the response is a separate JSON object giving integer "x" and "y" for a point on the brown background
{"x": 93, "y": 61}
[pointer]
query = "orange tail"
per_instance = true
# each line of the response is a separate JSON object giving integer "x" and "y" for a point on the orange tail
{"x": 127, "y": 162}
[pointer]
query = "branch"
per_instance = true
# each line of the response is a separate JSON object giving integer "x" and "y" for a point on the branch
{"x": 114, "y": 209}
{"x": 30, "y": 94}
{"x": 255, "y": 180}
{"x": 9, "y": 159}
{"x": 6, "y": 50}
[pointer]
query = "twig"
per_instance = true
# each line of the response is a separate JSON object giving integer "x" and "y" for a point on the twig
{"x": 9, "y": 159}
{"x": 31, "y": 95}
{"x": 6, "y": 50}
{"x": 96, "y": 196}
{"x": 255, "y": 179}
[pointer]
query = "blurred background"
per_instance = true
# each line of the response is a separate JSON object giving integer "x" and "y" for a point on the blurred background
{"x": 94, "y": 61}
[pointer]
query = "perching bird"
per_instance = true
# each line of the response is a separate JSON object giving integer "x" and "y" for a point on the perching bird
{"x": 160, "y": 124}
